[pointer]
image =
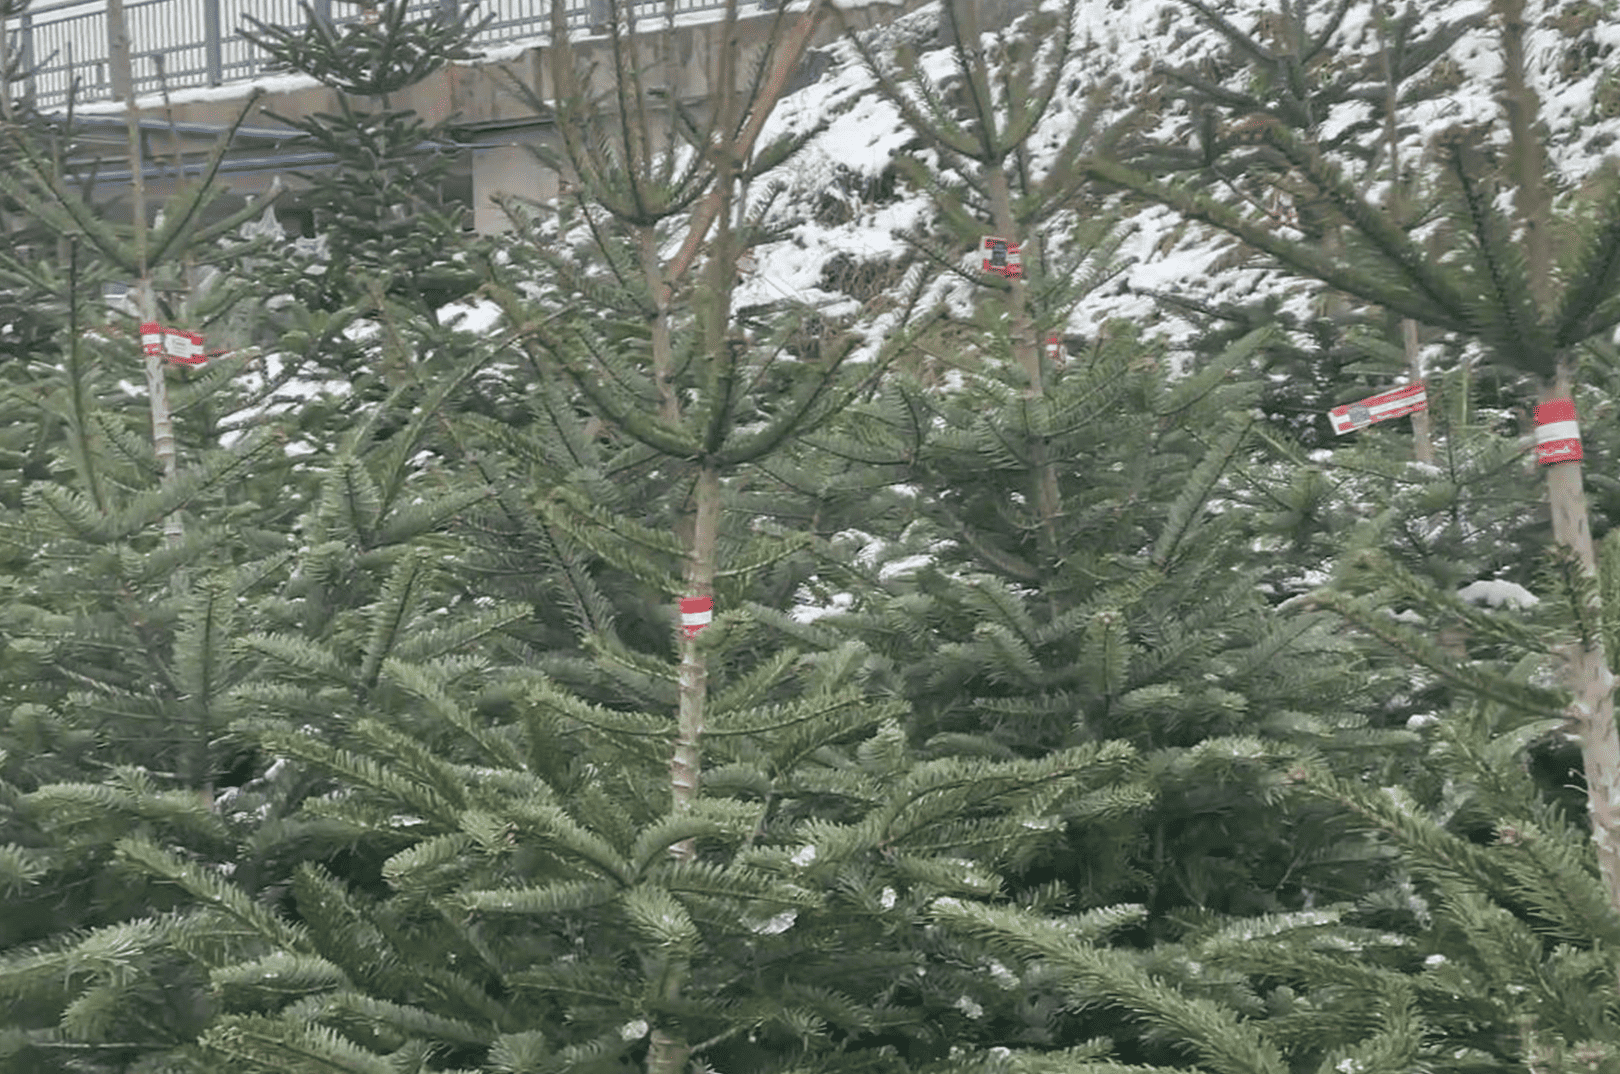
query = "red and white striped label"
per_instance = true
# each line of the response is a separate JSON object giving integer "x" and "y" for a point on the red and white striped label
{"x": 1002, "y": 257}
{"x": 1407, "y": 399}
{"x": 176, "y": 344}
{"x": 184, "y": 346}
{"x": 696, "y": 613}
{"x": 1558, "y": 434}
{"x": 152, "y": 338}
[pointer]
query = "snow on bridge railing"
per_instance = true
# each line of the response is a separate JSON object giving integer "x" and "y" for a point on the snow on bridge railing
{"x": 197, "y": 42}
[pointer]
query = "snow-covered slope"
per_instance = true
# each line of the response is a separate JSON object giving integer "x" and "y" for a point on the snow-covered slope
{"x": 843, "y": 207}
{"x": 1123, "y": 49}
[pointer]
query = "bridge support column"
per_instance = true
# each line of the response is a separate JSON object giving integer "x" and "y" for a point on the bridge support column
{"x": 507, "y": 169}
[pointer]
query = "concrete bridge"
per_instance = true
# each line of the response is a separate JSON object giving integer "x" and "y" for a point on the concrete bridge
{"x": 494, "y": 121}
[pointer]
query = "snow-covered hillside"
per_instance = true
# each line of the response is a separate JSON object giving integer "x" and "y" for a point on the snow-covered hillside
{"x": 1123, "y": 51}
{"x": 843, "y": 208}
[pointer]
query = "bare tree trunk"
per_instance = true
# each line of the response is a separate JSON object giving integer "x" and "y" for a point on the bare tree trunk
{"x": 157, "y": 387}
{"x": 1028, "y": 354}
{"x": 1586, "y": 666}
{"x": 663, "y": 354}
{"x": 686, "y": 766}
{"x": 1026, "y": 345}
{"x": 667, "y": 1054}
{"x": 1422, "y": 436}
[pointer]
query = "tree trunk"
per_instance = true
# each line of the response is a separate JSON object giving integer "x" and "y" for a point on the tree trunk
{"x": 1028, "y": 353}
{"x": 663, "y": 360}
{"x": 667, "y": 1053}
{"x": 685, "y": 769}
{"x": 1422, "y": 436}
{"x": 118, "y": 50}
{"x": 1586, "y": 665}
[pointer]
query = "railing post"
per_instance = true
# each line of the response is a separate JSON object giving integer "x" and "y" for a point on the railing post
{"x": 211, "y": 42}
{"x": 25, "y": 55}
{"x": 118, "y": 51}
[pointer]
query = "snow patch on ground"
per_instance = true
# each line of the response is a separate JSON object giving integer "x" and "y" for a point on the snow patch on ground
{"x": 808, "y": 611}
{"x": 476, "y": 318}
{"x": 1495, "y": 593}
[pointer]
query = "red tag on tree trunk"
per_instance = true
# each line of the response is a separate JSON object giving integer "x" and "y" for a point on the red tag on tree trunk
{"x": 1002, "y": 257}
{"x": 152, "y": 338}
{"x": 696, "y": 613}
{"x": 1558, "y": 434}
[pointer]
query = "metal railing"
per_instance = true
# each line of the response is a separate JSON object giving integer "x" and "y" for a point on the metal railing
{"x": 188, "y": 43}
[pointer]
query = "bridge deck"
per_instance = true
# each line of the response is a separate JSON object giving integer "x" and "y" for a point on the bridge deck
{"x": 187, "y": 43}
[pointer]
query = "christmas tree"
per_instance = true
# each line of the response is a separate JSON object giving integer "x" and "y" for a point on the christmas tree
{"x": 1530, "y": 307}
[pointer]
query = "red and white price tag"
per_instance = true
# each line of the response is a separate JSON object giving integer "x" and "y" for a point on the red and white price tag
{"x": 1001, "y": 257}
{"x": 1381, "y": 407}
{"x": 152, "y": 338}
{"x": 186, "y": 347}
{"x": 696, "y": 613}
{"x": 175, "y": 344}
{"x": 1558, "y": 434}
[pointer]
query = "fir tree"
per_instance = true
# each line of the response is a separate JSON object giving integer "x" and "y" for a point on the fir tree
{"x": 1205, "y": 999}
{"x": 535, "y": 879}
{"x": 316, "y": 620}
{"x": 1485, "y": 949}
{"x": 112, "y": 664}
{"x": 383, "y": 210}
{"x": 1153, "y": 630}
{"x": 122, "y": 652}
{"x": 1128, "y": 607}
{"x": 1506, "y": 296}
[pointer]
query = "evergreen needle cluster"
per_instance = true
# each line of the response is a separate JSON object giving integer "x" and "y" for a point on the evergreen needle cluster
{"x": 1070, "y": 701}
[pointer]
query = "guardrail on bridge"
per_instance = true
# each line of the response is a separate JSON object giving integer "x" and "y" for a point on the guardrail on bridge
{"x": 196, "y": 42}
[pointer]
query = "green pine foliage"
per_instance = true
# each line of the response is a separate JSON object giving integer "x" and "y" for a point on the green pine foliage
{"x": 1152, "y": 629}
{"x": 539, "y": 916}
{"x": 1487, "y": 950}
{"x": 1514, "y": 957}
{"x": 507, "y": 894}
{"x": 189, "y": 673}
{"x": 127, "y": 657}
{"x": 383, "y": 210}
{"x": 1084, "y": 563}
{"x": 1109, "y": 640}
{"x": 1027, "y": 735}
{"x": 118, "y": 659}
